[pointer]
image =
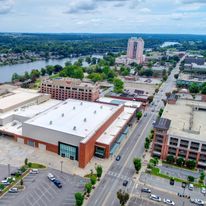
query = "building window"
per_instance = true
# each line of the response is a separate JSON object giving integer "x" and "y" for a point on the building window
{"x": 184, "y": 143}
{"x": 100, "y": 152}
{"x": 31, "y": 143}
{"x": 173, "y": 141}
{"x": 69, "y": 151}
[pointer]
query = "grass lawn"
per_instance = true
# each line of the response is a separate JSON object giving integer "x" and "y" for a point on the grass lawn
{"x": 37, "y": 166}
{"x": 89, "y": 175}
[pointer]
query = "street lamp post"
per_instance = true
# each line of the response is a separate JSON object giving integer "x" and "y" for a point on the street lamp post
{"x": 61, "y": 165}
{"x": 9, "y": 170}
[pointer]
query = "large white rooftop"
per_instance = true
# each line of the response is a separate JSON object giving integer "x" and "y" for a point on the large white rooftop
{"x": 79, "y": 118}
{"x": 16, "y": 98}
{"x": 113, "y": 130}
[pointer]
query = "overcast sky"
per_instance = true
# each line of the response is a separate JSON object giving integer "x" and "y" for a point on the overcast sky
{"x": 102, "y": 16}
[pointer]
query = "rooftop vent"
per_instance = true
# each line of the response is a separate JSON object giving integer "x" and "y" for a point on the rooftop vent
{"x": 62, "y": 114}
{"x": 74, "y": 128}
{"x": 74, "y": 108}
{"x": 50, "y": 122}
{"x": 85, "y": 119}
{"x": 81, "y": 103}
{"x": 95, "y": 111}
{"x": 101, "y": 106}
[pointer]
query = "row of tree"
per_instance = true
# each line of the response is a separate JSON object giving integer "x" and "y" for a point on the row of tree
{"x": 79, "y": 196}
{"x": 190, "y": 164}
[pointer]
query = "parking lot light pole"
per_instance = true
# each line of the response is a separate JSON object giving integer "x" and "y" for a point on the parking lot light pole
{"x": 61, "y": 165}
{"x": 9, "y": 173}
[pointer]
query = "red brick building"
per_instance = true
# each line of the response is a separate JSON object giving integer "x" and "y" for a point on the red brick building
{"x": 65, "y": 88}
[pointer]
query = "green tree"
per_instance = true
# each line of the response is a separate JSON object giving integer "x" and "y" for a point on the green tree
{"x": 170, "y": 159}
{"x": 147, "y": 143}
{"x": 15, "y": 77}
{"x": 191, "y": 164}
{"x": 202, "y": 177}
{"x": 49, "y": 69}
{"x": 180, "y": 161}
{"x": 139, "y": 115}
{"x": 21, "y": 181}
{"x": 190, "y": 178}
{"x": 203, "y": 90}
{"x": 88, "y": 187}
{"x": 176, "y": 76}
{"x": 194, "y": 88}
{"x": 88, "y": 60}
{"x": 118, "y": 85}
{"x": 99, "y": 171}
{"x": 43, "y": 71}
{"x": 68, "y": 63}
{"x": 160, "y": 112}
{"x": 95, "y": 77}
{"x": 79, "y": 199}
{"x": 26, "y": 161}
{"x": 93, "y": 179}
{"x": 137, "y": 164}
{"x": 123, "y": 197}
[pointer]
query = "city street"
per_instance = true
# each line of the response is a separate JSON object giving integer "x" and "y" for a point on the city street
{"x": 105, "y": 193}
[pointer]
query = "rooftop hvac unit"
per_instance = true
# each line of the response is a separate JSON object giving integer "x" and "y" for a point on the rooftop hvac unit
{"x": 74, "y": 128}
{"x": 62, "y": 114}
{"x": 50, "y": 122}
{"x": 81, "y": 103}
{"x": 74, "y": 108}
{"x": 101, "y": 106}
{"x": 85, "y": 119}
{"x": 95, "y": 111}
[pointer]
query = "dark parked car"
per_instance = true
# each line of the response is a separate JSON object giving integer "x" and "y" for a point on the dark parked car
{"x": 146, "y": 190}
{"x": 57, "y": 183}
{"x": 118, "y": 158}
{"x": 125, "y": 183}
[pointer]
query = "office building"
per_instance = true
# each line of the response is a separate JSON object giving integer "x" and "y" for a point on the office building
{"x": 64, "y": 88}
{"x": 135, "y": 49}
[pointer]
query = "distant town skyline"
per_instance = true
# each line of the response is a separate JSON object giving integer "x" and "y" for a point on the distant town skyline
{"x": 103, "y": 16}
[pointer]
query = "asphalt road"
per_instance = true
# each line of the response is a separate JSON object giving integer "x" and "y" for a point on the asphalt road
{"x": 105, "y": 193}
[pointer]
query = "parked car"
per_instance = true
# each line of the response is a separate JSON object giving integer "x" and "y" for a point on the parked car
{"x": 168, "y": 201}
{"x": 5, "y": 182}
{"x": 118, "y": 157}
{"x": 190, "y": 186}
{"x": 125, "y": 183}
{"x": 34, "y": 171}
{"x": 57, "y": 183}
{"x": 146, "y": 190}
{"x": 197, "y": 201}
{"x": 13, "y": 190}
{"x": 51, "y": 177}
{"x": 155, "y": 198}
{"x": 203, "y": 190}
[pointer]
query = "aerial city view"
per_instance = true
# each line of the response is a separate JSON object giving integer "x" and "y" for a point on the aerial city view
{"x": 102, "y": 102}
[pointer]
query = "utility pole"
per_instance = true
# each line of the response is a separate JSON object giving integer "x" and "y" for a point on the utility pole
{"x": 9, "y": 173}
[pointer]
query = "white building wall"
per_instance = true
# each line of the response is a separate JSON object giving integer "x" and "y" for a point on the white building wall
{"x": 48, "y": 135}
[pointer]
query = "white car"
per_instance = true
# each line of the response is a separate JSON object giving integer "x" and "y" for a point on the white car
{"x": 34, "y": 171}
{"x": 168, "y": 201}
{"x": 51, "y": 177}
{"x": 197, "y": 201}
{"x": 5, "y": 182}
{"x": 13, "y": 190}
{"x": 203, "y": 190}
{"x": 155, "y": 198}
{"x": 190, "y": 186}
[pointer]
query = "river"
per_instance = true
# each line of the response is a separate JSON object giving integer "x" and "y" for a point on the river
{"x": 7, "y": 71}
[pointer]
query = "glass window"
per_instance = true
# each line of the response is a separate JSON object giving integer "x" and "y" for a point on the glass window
{"x": 68, "y": 151}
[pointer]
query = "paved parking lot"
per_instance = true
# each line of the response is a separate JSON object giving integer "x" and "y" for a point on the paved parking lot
{"x": 40, "y": 191}
{"x": 136, "y": 201}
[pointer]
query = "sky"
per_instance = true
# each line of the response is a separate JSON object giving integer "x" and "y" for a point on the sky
{"x": 103, "y": 16}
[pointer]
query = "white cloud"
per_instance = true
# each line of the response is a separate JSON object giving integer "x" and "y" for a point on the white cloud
{"x": 6, "y": 6}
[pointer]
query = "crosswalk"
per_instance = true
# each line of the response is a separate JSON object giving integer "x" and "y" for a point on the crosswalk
{"x": 117, "y": 175}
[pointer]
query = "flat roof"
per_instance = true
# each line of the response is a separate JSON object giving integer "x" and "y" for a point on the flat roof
{"x": 186, "y": 121}
{"x": 16, "y": 97}
{"x": 113, "y": 130}
{"x": 126, "y": 103}
{"x": 79, "y": 118}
